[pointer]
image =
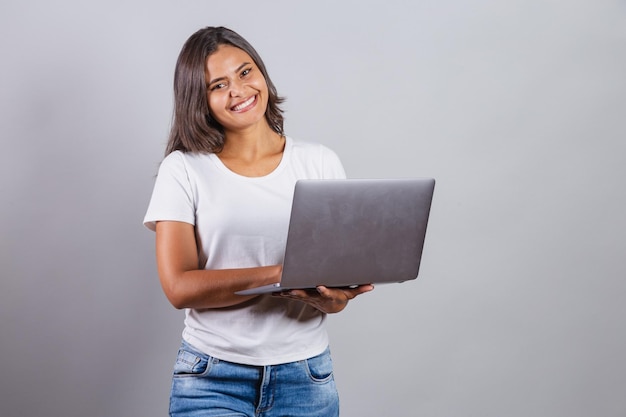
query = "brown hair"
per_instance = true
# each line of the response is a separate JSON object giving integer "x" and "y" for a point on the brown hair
{"x": 193, "y": 128}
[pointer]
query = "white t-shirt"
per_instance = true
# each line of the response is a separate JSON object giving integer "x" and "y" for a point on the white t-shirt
{"x": 242, "y": 222}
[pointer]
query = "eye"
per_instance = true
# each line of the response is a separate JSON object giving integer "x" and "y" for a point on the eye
{"x": 217, "y": 86}
{"x": 246, "y": 72}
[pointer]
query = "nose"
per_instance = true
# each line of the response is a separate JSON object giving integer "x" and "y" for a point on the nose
{"x": 236, "y": 88}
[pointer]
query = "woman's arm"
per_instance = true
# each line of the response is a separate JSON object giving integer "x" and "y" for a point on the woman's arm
{"x": 186, "y": 286}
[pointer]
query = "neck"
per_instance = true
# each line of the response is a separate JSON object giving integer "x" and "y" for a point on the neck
{"x": 251, "y": 144}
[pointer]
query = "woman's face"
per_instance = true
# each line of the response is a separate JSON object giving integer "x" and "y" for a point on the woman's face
{"x": 236, "y": 89}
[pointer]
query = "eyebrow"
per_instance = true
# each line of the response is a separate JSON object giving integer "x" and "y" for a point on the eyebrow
{"x": 213, "y": 81}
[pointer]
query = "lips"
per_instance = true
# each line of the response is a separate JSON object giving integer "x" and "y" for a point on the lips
{"x": 245, "y": 104}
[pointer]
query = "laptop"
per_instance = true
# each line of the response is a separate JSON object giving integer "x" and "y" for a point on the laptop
{"x": 348, "y": 232}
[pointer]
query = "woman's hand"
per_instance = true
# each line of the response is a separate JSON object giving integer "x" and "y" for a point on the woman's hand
{"x": 327, "y": 300}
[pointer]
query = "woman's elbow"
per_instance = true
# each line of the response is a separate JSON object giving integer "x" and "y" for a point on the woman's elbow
{"x": 174, "y": 293}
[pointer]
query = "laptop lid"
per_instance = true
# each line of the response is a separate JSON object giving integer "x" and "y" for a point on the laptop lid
{"x": 354, "y": 231}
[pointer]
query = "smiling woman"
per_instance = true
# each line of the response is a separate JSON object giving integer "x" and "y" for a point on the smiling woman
{"x": 237, "y": 95}
{"x": 220, "y": 208}
{"x": 194, "y": 128}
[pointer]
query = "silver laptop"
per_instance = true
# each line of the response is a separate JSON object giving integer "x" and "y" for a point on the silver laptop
{"x": 354, "y": 231}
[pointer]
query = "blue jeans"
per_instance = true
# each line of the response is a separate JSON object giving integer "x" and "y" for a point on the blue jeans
{"x": 210, "y": 387}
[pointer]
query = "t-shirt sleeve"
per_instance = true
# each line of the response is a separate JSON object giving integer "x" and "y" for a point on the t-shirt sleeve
{"x": 331, "y": 165}
{"x": 172, "y": 197}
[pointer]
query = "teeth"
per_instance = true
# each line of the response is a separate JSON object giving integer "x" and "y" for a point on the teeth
{"x": 244, "y": 104}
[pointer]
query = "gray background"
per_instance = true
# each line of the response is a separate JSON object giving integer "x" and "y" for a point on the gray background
{"x": 515, "y": 107}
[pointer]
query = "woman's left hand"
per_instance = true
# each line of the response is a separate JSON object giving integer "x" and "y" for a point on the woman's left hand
{"x": 327, "y": 300}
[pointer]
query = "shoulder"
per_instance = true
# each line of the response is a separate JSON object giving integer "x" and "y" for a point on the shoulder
{"x": 318, "y": 159}
{"x": 178, "y": 161}
{"x": 180, "y": 157}
{"x": 313, "y": 149}
{"x": 173, "y": 159}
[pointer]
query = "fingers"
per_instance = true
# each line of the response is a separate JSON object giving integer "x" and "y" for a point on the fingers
{"x": 363, "y": 289}
{"x": 328, "y": 300}
{"x": 350, "y": 293}
{"x": 326, "y": 292}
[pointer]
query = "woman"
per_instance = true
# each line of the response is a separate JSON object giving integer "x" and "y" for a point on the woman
{"x": 220, "y": 208}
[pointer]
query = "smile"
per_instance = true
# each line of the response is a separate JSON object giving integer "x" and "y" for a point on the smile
{"x": 245, "y": 104}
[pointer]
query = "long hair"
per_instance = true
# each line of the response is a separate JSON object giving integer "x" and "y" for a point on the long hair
{"x": 193, "y": 128}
